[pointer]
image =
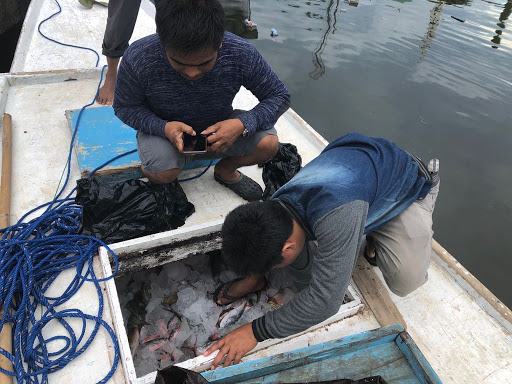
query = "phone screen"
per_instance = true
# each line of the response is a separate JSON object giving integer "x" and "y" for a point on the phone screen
{"x": 194, "y": 144}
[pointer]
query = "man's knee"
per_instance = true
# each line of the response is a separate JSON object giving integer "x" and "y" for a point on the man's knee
{"x": 165, "y": 177}
{"x": 267, "y": 147}
{"x": 407, "y": 279}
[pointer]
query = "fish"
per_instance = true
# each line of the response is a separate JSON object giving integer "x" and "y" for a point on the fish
{"x": 146, "y": 293}
{"x": 150, "y": 338}
{"x": 158, "y": 344}
{"x": 137, "y": 305}
{"x": 232, "y": 314}
{"x": 134, "y": 340}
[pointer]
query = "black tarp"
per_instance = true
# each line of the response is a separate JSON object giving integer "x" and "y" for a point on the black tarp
{"x": 176, "y": 375}
{"x": 124, "y": 210}
{"x": 280, "y": 169}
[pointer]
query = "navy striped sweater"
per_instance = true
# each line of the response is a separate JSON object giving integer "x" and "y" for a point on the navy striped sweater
{"x": 149, "y": 92}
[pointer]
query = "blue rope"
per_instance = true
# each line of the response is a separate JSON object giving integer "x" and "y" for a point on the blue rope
{"x": 65, "y": 44}
{"x": 32, "y": 255}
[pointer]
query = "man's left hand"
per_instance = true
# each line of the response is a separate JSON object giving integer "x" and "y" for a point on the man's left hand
{"x": 234, "y": 346}
{"x": 223, "y": 134}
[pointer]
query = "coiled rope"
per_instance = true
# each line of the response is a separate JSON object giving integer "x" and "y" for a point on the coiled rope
{"x": 32, "y": 256}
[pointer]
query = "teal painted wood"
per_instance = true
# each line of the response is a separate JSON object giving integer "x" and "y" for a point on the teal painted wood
{"x": 102, "y": 136}
{"x": 418, "y": 362}
{"x": 355, "y": 357}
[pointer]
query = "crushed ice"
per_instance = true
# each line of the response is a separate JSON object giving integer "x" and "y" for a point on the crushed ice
{"x": 170, "y": 315}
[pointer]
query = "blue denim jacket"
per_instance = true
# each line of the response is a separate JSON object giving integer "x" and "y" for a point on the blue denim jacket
{"x": 356, "y": 167}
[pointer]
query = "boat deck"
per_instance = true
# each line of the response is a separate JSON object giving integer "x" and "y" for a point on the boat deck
{"x": 454, "y": 331}
{"x": 459, "y": 338}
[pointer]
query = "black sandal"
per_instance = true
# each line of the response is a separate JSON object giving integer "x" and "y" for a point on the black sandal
{"x": 225, "y": 289}
{"x": 245, "y": 187}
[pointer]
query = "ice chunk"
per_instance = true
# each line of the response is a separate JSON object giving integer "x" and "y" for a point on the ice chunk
{"x": 177, "y": 271}
{"x": 155, "y": 302}
{"x": 181, "y": 334}
{"x": 147, "y": 361}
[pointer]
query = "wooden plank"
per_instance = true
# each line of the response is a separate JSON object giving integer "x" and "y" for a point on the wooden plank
{"x": 5, "y": 212}
{"x": 385, "y": 360}
{"x": 376, "y": 295}
{"x": 277, "y": 363}
{"x": 5, "y": 189}
{"x": 417, "y": 361}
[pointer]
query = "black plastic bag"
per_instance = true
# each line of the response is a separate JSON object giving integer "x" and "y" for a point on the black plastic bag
{"x": 280, "y": 169}
{"x": 177, "y": 375}
{"x": 121, "y": 211}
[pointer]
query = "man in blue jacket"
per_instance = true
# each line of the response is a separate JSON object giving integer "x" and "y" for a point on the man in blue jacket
{"x": 314, "y": 226}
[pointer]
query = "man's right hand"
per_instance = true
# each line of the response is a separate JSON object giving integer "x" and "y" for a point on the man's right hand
{"x": 174, "y": 133}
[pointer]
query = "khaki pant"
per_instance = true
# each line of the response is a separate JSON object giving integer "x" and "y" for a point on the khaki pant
{"x": 404, "y": 249}
{"x": 404, "y": 246}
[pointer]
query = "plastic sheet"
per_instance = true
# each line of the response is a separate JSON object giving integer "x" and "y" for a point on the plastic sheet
{"x": 120, "y": 211}
{"x": 368, "y": 380}
{"x": 176, "y": 375}
{"x": 280, "y": 169}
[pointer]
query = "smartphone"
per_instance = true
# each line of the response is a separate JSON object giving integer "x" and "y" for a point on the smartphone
{"x": 194, "y": 144}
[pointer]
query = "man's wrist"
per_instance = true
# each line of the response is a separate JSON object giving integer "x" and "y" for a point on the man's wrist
{"x": 244, "y": 132}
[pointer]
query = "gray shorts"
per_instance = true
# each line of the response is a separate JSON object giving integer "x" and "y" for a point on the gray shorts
{"x": 404, "y": 249}
{"x": 157, "y": 154}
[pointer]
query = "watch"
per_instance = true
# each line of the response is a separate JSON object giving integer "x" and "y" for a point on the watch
{"x": 245, "y": 133}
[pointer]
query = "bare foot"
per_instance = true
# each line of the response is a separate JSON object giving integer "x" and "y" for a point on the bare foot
{"x": 370, "y": 250}
{"x": 251, "y": 283}
{"x": 106, "y": 93}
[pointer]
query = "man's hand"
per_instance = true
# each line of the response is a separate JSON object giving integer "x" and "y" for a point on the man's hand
{"x": 223, "y": 134}
{"x": 174, "y": 133}
{"x": 234, "y": 346}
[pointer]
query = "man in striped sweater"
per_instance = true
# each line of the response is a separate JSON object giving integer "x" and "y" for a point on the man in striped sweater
{"x": 183, "y": 80}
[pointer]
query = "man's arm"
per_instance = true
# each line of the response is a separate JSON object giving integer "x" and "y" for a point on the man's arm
{"x": 129, "y": 102}
{"x": 274, "y": 98}
{"x": 339, "y": 235}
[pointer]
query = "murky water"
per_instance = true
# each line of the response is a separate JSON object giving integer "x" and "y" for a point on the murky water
{"x": 411, "y": 72}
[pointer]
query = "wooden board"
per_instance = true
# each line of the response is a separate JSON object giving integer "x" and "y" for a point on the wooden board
{"x": 101, "y": 136}
{"x": 381, "y": 352}
{"x": 376, "y": 295}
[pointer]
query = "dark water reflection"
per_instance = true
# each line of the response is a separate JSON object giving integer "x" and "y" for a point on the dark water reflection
{"x": 410, "y": 72}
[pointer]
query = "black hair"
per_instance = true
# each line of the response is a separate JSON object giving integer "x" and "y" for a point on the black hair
{"x": 253, "y": 236}
{"x": 186, "y": 26}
